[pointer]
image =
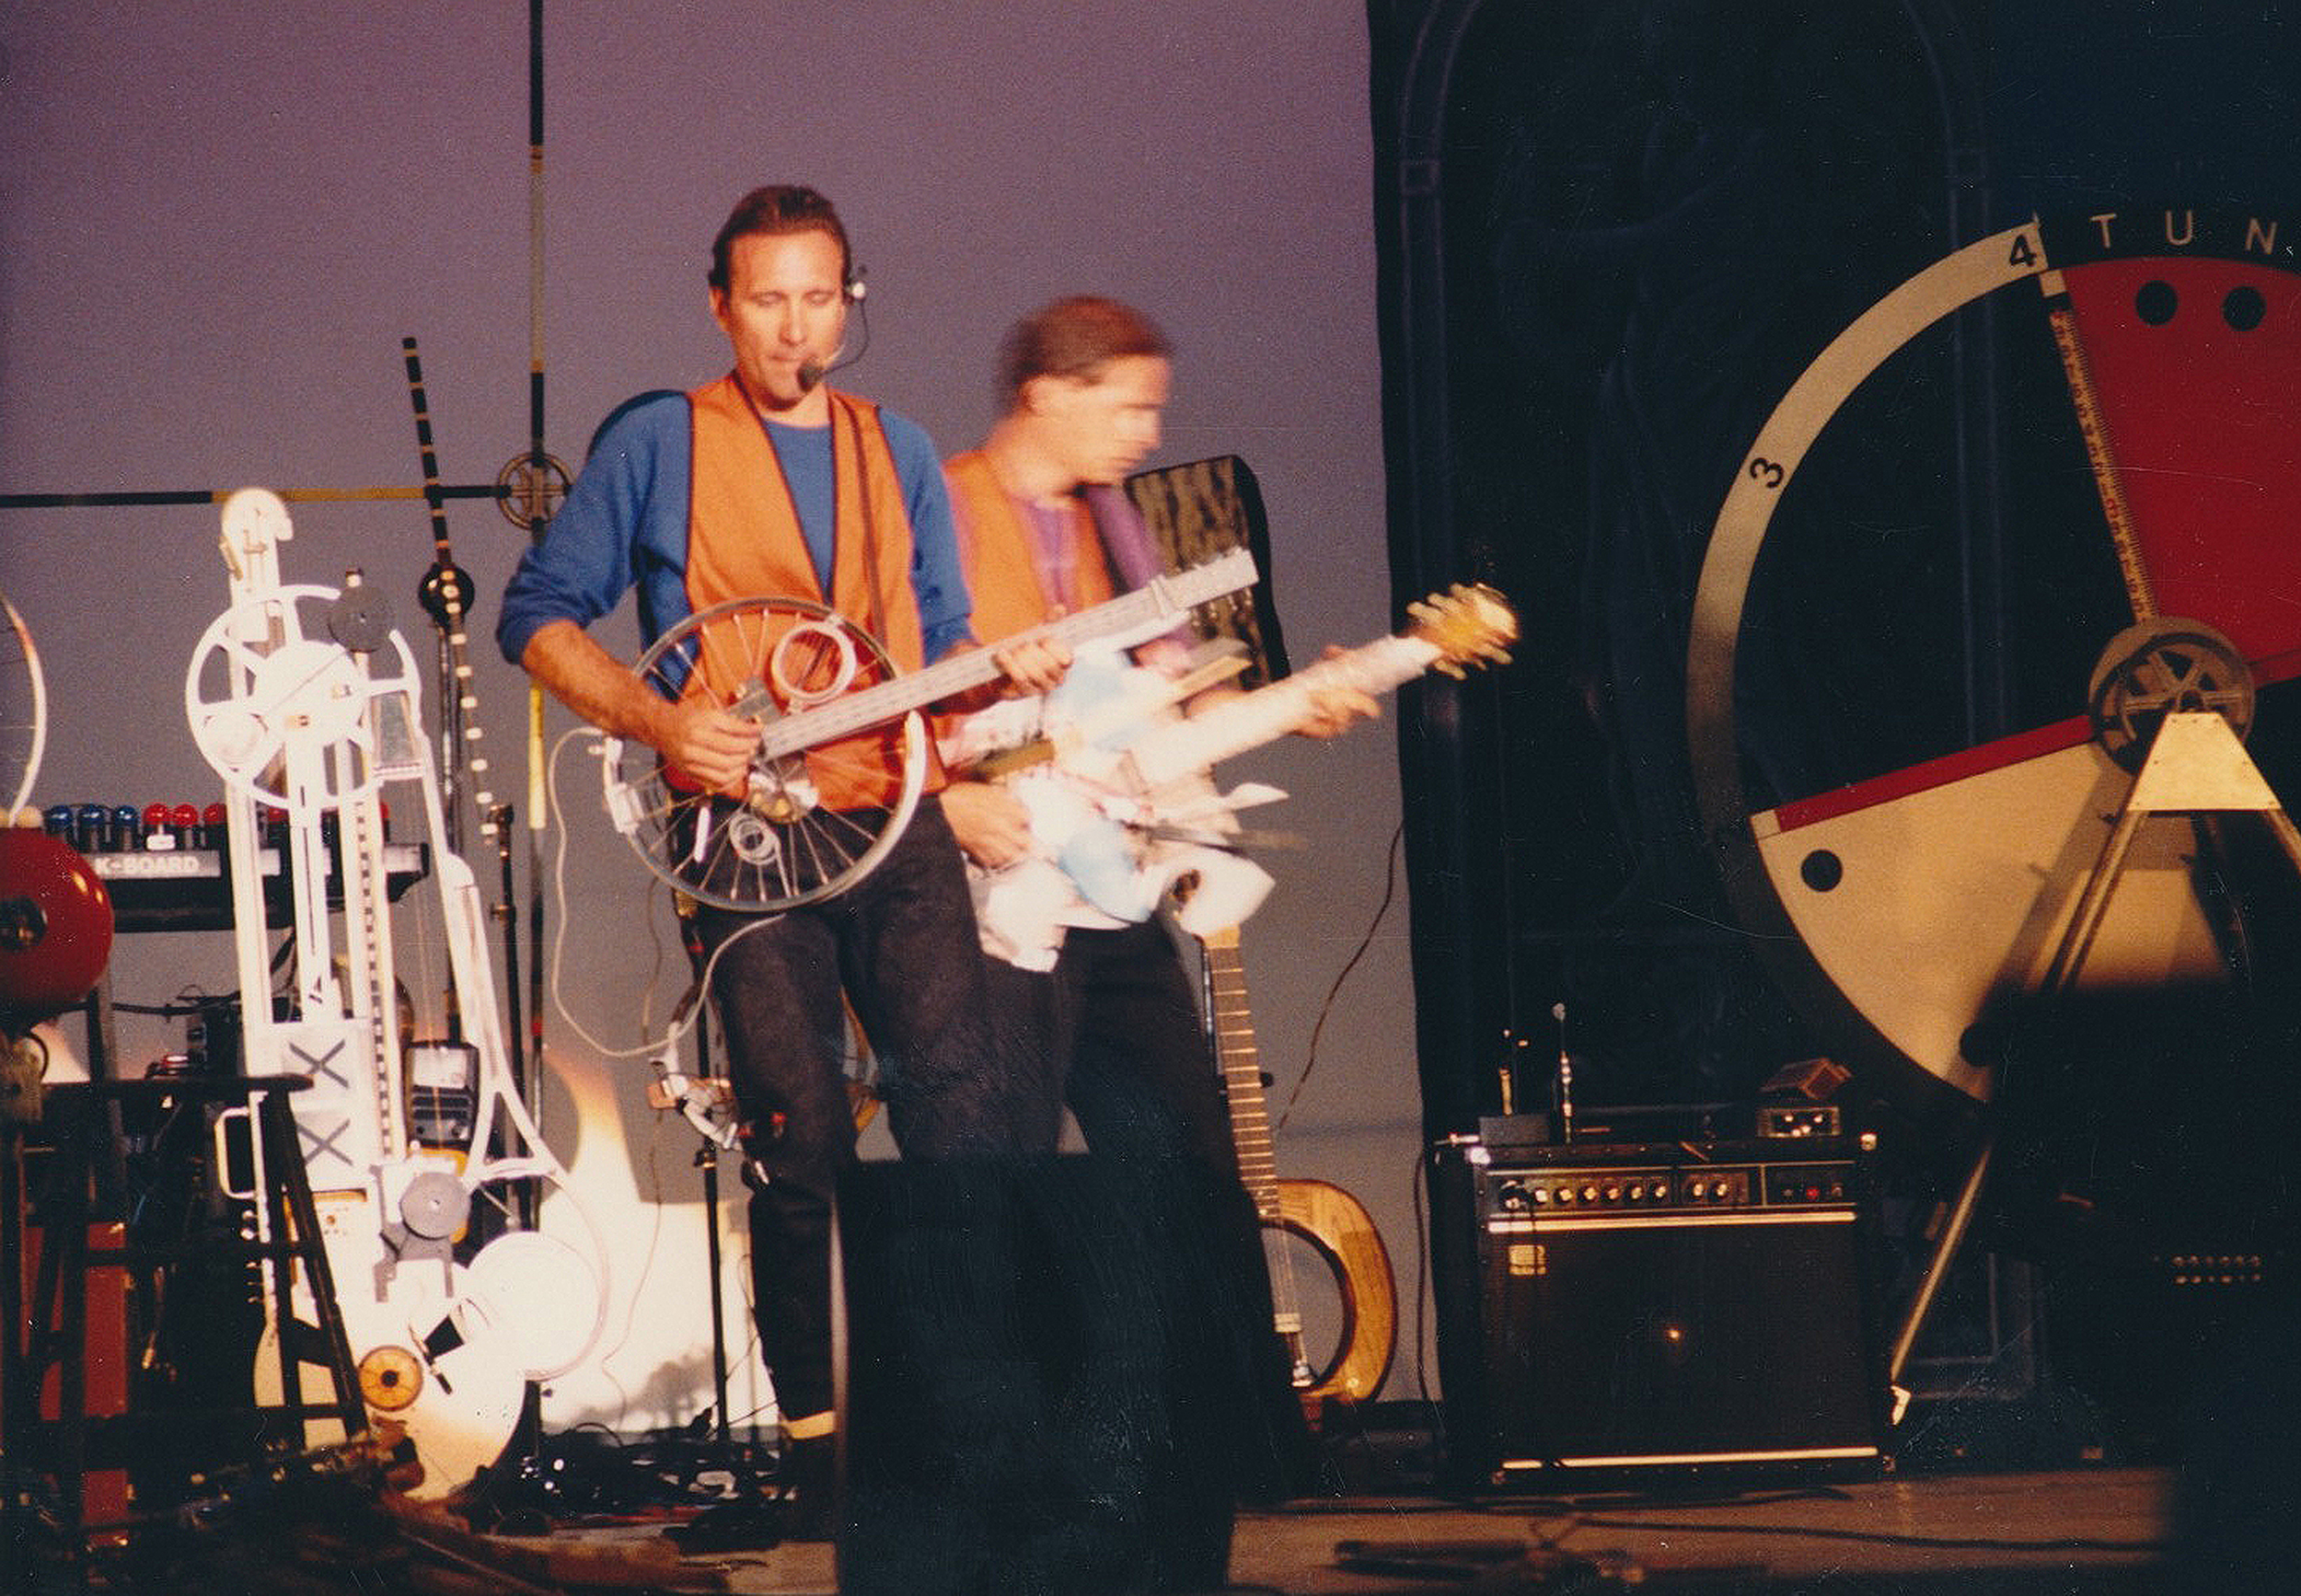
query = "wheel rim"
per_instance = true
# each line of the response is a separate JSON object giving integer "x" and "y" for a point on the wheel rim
{"x": 783, "y": 845}
{"x": 23, "y": 712}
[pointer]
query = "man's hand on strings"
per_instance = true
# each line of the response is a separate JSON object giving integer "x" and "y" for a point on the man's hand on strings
{"x": 709, "y": 744}
{"x": 1034, "y": 666}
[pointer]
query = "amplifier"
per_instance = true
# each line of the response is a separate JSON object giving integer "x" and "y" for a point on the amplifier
{"x": 1635, "y": 1306}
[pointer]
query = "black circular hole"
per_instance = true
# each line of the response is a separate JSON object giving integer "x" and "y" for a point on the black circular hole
{"x": 2244, "y": 309}
{"x": 2155, "y": 302}
{"x": 1823, "y": 869}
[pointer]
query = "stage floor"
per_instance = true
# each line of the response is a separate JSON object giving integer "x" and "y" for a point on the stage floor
{"x": 1990, "y": 1502}
{"x": 2072, "y": 1533}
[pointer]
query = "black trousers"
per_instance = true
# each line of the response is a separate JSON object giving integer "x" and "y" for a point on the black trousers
{"x": 1114, "y": 1033}
{"x": 901, "y": 946}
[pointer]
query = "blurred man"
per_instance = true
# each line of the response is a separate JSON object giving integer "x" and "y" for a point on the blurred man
{"x": 1046, "y": 530}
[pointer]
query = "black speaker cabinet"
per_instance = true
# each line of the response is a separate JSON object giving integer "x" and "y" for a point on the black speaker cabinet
{"x": 1639, "y": 1307}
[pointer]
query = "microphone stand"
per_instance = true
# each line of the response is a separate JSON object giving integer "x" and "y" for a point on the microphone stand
{"x": 1566, "y": 1078}
{"x": 706, "y": 1159}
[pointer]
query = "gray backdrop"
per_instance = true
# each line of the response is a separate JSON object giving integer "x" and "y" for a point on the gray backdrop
{"x": 219, "y": 221}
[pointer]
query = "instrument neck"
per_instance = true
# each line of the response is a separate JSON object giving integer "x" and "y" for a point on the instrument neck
{"x": 1236, "y": 725}
{"x": 1133, "y": 617}
{"x": 1241, "y": 1061}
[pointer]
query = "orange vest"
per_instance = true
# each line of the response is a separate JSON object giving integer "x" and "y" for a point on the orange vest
{"x": 995, "y": 551}
{"x": 743, "y": 541}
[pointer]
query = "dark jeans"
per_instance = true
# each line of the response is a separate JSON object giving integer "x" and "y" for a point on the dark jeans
{"x": 1114, "y": 1033}
{"x": 901, "y": 946}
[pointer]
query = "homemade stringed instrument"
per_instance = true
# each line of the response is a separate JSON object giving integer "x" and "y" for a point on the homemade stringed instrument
{"x": 305, "y": 700}
{"x": 1325, "y": 1218}
{"x": 816, "y": 682}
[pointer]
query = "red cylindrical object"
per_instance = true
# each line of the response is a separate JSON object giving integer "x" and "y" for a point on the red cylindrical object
{"x": 55, "y": 926}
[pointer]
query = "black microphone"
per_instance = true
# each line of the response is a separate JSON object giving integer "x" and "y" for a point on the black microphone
{"x": 810, "y": 375}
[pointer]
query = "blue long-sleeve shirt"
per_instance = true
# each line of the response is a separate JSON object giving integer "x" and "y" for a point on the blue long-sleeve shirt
{"x": 624, "y": 525}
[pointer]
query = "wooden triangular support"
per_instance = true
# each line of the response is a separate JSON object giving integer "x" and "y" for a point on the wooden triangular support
{"x": 2196, "y": 765}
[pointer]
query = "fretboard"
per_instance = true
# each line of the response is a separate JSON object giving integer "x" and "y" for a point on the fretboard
{"x": 1236, "y": 725}
{"x": 1242, "y": 1073}
{"x": 1147, "y": 612}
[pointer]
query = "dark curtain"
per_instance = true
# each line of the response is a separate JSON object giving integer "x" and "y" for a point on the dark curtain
{"x": 1613, "y": 234}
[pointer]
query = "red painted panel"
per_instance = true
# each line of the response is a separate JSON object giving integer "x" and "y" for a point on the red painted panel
{"x": 2203, "y": 414}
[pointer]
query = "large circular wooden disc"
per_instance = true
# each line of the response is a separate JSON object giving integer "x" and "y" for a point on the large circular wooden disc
{"x": 1897, "y": 906}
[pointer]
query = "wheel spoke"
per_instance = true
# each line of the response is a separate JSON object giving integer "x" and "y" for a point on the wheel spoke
{"x": 785, "y": 846}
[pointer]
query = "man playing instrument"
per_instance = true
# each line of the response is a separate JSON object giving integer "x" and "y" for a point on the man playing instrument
{"x": 1046, "y": 529}
{"x": 767, "y": 482}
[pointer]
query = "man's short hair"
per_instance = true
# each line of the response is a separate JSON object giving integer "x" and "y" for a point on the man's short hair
{"x": 777, "y": 208}
{"x": 1074, "y": 338}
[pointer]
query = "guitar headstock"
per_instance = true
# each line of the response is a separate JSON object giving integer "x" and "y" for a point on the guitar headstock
{"x": 1468, "y": 624}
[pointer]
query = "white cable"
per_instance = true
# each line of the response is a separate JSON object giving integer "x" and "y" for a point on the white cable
{"x": 679, "y": 1027}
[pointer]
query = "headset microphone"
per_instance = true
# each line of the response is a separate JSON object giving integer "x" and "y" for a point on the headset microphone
{"x": 813, "y": 372}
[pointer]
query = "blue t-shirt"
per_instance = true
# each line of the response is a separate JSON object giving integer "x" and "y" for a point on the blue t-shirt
{"x": 624, "y": 525}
